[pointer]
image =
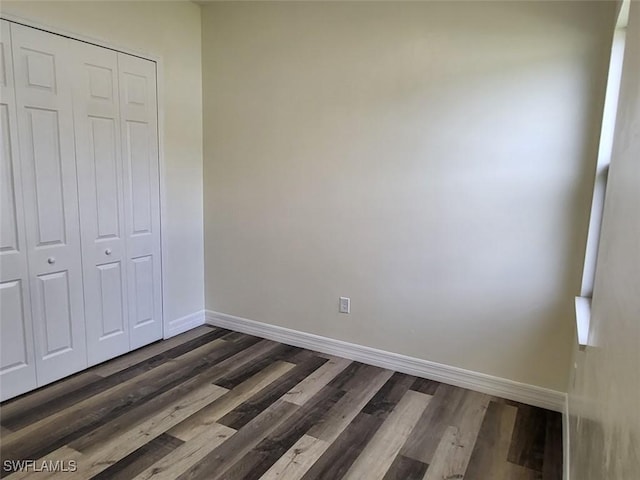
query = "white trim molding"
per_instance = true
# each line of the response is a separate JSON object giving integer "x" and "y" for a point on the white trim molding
{"x": 183, "y": 324}
{"x": 480, "y": 382}
{"x": 566, "y": 440}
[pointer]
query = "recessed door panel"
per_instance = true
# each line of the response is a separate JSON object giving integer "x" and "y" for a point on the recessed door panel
{"x": 3, "y": 58}
{"x": 138, "y": 162}
{"x": 101, "y": 79}
{"x": 136, "y": 89}
{"x": 14, "y": 353}
{"x": 41, "y": 69}
{"x": 104, "y": 155}
{"x": 17, "y": 360}
{"x": 54, "y": 308}
{"x": 43, "y": 144}
{"x": 43, "y": 86}
{"x": 143, "y": 293}
{"x": 8, "y": 212}
{"x": 111, "y": 302}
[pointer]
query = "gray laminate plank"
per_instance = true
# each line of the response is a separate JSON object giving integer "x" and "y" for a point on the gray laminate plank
{"x": 252, "y": 407}
{"x": 349, "y": 406}
{"x": 137, "y": 356}
{"x": 528, "y": 440}
{"x": 214, "y": 464}
{"x": 188, "y": 454}
{"x": 317, "y": 380}
{"x": 338, "y": 458}
{"x": 553, "y": 458}
{"x": 200, "y": 421}
{"x": 266, "y": 453}
{"x": 140, "y": 459}
{"x": 33, "y": 401}
{"x": 384, "y": 446}
{"x": 489, "y": 456}
{"x": 452, "y": 455}
{"x": 405, "y": 468}
{"x": 438, "y": 416}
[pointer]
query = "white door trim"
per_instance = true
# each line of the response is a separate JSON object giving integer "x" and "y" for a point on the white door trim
{"x": 160, "y": 108}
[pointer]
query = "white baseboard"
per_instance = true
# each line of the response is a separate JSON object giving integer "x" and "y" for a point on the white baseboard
{"x": 566, "y": 441}
{"x": 501, "y": 387}
{"x": 181, "y": 325}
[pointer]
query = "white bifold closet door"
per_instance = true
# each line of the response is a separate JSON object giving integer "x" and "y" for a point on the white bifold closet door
{"x": 80, "y": 258}
{"x": 118, "y": 178}
{"x": 100, "y": 189}
{"x": 43, "y": 85}
{"x": 17, "y": 361}
{"x": 139, "y": 126}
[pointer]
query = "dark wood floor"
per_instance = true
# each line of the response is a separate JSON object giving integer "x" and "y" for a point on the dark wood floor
{"x": 214, "y": 404}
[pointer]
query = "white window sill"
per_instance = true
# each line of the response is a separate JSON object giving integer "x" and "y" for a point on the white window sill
{"x": 583, "y": 318}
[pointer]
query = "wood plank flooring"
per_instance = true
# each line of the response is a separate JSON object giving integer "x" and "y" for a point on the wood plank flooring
{"x": 214, "y": 404}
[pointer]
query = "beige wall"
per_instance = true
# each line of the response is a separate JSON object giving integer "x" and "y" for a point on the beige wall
{"x": 605, "y": 398}
{"x": 170, "y": 30}
{"x": 432, "y": 161}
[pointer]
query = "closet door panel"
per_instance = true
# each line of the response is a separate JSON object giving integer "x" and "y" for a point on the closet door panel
{"x": 46, "y": 137}
{"x": 101, "y": 192}
{"x": 8, "y": 208}
{"x": 140, "y": 171}
{"x": 18, "y": 367}
{"x": 138, "y": 110}
{"x": 17, "y": 361}
{"x": 52, "y": 299}
{"x": 43, "y": 128}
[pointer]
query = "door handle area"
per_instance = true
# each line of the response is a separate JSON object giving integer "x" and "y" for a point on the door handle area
{"x": 107, "y": 251}
{"x": 51, "y": 260}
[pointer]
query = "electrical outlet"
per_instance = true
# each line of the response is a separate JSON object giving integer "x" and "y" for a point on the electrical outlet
{"x": 345, "y": 305}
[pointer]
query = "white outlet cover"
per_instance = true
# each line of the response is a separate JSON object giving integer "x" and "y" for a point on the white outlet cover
{"x": 345, "y": 305}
